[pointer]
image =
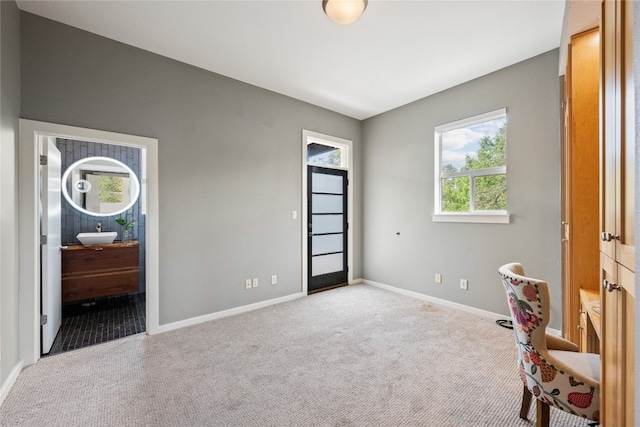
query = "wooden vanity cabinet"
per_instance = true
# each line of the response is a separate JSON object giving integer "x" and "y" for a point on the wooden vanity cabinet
{"x": 99, "y": 271}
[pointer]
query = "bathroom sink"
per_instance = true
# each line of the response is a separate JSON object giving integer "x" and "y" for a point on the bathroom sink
{"x": 103, "y": 238}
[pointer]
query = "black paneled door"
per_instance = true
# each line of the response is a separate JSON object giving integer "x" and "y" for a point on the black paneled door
{"x": 327, "y": 241}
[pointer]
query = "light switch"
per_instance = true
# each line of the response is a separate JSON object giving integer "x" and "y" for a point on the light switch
{"x": 294, "y": 214}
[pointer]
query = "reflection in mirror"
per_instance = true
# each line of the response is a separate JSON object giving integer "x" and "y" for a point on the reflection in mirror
{"x": 100, "y": 186}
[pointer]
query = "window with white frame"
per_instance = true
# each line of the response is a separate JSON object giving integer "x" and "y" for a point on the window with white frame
{"x": 471, "y": 169}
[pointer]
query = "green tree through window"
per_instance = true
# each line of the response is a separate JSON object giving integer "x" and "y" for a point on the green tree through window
{"x": 472, "y": 156}
{"x": 110, "y": 189}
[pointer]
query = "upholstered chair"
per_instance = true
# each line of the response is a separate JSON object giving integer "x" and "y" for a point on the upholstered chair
{"x": 551, "y": 368}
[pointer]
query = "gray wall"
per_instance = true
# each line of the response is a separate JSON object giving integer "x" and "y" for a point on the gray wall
{"x": 398, "y": 182}
{"x": 229, "y": 159}
{"x": 74, "y": 221}
{"x": 9, "y": 249}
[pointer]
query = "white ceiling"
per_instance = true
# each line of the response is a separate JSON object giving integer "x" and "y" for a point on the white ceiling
{"x": 396, "y": 53}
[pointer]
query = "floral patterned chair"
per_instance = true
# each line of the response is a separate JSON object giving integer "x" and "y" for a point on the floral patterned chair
{"x": 551, "y": 368}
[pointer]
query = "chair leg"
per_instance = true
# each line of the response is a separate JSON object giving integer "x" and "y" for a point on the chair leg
{"x": 542, "y": 417}
{"x": 526, "y": 402}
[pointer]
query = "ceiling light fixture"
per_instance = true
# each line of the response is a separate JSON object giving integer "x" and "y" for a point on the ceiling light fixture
{"x": 344, "y": 11}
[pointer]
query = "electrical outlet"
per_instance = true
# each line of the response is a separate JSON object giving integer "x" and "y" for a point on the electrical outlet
{"x": 438, "y": 278}
{"x": 247, "y": 284}
{"x": 274, "y": 280}
{"x": 464, "y": 284}
{"x": 255, "y": 282}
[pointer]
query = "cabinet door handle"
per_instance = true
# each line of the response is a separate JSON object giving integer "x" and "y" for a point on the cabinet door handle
{"x": 610, "y": 286}
{"x": 607, "y": 237}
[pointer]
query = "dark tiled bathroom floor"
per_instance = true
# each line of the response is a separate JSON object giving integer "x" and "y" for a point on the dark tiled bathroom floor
{"x": 105, "y": 320}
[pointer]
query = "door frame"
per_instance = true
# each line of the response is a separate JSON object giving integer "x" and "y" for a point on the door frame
{"x": 31, "y": 133}
{"x": 310, "y": 136}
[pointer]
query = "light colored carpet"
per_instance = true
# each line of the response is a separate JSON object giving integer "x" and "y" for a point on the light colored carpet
{"x": 353, "y": 356}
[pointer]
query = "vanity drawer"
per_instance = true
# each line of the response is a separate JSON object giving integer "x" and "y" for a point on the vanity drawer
{"x": 77, "y": 288}
{"x": 91, "y": 259}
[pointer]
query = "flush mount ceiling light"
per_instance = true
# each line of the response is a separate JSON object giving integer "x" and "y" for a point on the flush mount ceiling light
{"x": 344, "y": 11}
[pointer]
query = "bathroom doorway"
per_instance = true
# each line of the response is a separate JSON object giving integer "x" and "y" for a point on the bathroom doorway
{"x": 32, "y": 136}
{"x": 102, "y": 282}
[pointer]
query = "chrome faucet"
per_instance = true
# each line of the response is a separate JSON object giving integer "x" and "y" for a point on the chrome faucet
{"x": 99, "y": 227}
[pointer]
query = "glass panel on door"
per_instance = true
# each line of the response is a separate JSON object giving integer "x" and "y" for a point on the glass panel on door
{"x": 327, "y": 241}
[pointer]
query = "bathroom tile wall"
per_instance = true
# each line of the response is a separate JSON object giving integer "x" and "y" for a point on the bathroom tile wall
{"x": 74, "y": 221}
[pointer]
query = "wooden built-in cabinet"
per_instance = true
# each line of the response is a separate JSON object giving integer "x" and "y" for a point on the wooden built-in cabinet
{"x": 99, "y": 271}
{"x": 580, "y": 178}
{"x": 599, "y": 307}
{"x": 617, "y": 217}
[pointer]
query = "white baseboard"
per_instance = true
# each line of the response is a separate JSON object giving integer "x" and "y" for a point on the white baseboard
{"x": 423, "y": 297}
{"x": 233, "y": 311}
{"x": 468, "y": 309}
{"x": 226, "y": 313}
{"x": 262, "y": 304}
{"x": 11, "y": 379}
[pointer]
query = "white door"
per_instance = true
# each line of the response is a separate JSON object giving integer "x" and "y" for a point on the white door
{"x": 51, "y": 259}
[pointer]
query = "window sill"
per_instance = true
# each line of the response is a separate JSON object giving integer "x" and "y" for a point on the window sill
{"x": 478, "y": 218}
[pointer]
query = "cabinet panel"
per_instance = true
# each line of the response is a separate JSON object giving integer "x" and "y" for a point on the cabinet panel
{"x": 618, "y": 133}
{"x": 608, "y": 99}
{"x": 625, "y": 218}
{"x": 611, "y": 351}
{"x": 629, "y": 339}
{"x": 618, "y": 346}
{"x": 617, "y": 214}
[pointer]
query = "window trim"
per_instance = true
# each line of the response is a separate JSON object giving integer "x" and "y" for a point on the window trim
{"x": 495, "y": 216}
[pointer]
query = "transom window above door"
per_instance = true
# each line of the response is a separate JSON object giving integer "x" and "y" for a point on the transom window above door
{"x": 326, "y": 155}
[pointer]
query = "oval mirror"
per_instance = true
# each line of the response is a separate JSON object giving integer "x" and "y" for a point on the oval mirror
{"x": 100, "y": 186}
